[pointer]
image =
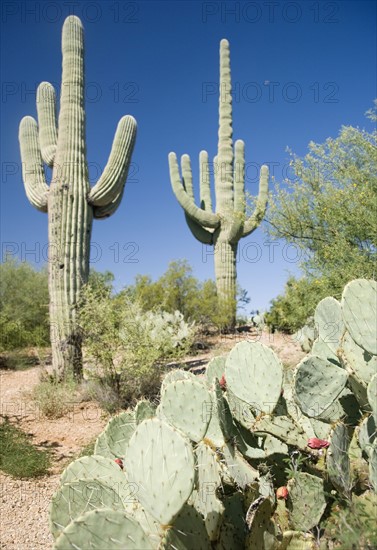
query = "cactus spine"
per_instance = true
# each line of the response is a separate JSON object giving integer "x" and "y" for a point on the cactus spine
{"x": 225, "y": 227}
{"x": 69, "y": 201}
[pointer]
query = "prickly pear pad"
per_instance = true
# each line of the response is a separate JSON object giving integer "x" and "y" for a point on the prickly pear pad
{"x": 161, "y": 462}
{"x": 94, "y": 467}
{"x": 338, "y": 461}
{"x": 100, "y": 529}
{"x": 372, "y": 396}
{"x": 255, "y": 375}
{"x": 307, "y": 501}
{"x": 328, "y": 320}
{"x": 187, "y": 405}
{"x": 215, "y": 369}
{"x": 318, "y": 383}
{"x": 118, "y": 432}
{"x": 77, "y": 497}
{"x": 359, "y": 305}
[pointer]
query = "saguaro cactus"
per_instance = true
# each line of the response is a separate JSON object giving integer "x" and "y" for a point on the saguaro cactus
{"x": 69, "y": 201}
{"x": 228, "y": 224}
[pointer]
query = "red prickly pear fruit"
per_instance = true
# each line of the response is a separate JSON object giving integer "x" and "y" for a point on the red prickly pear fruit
{"x": 222, "y": 382}
{"x": 119, "y": 461}
{"x": 315, "y": 443}
{"x": 282, "y": 492}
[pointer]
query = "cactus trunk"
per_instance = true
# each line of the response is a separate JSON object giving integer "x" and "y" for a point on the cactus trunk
{"x": 69, "y": 201}
{"x": 226, "y": 279}
{"x": 225, "y": 227}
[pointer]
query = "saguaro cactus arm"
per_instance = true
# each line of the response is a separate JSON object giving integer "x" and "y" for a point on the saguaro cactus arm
{"x": 205, "y": 182}
{"x": 202, "y": 217}
{"x": 254, "y": 220}
{"x": 101, "y": 212}
{"x": 33, "y": 173}
{"x": 110, "y": 184}
{"x": 48, "y": 134}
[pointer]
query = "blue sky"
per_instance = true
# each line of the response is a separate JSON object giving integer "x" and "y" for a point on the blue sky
{"x": 300, "y": 70}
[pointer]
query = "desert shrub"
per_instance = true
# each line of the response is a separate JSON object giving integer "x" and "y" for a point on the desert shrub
{"x": 128, "y": 347}
{"x": 54, "y": 397}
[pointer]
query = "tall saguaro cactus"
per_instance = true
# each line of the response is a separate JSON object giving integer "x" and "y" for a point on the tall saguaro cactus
{"x": 69, "y": 201}
{"x": 228, "y": 224}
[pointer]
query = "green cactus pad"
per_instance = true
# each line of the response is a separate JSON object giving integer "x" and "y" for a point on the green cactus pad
{"x": 206, "y": 501}
{"x": 77, "y": 497}
{"x": 284, "y": 428}
{"x": 373, "y": 467}
{"x": 337, "y": 459}
{"x": 307, "y": 501}
{"x": 214, "y": 434}
{"x": 359, "y": 390}
{"x": 143, "y": 410}
{"x": 187, "y": 533}
{"x": 357, "y": 360}
{"x": 100, "y": 529}
{"x": 239, "y": 469}
{"x": 255, "y": 375}
{"x": 258, "y": 519}
{"x": 273, "y": 446}
{"x": 372, "y": 396}
{"x": 359, "y": 306}
{"x": 118, "y": 432}
{"x": 367, "y": 434}
{"x": 224, "y": 414}
{"x": 322, "y": 350}
{"x": 247, "y": 443}
{"x": 149, "y": 525}
{"x": 328, "y": 320}
{"x": 317, "y": 385}
{"x": 215, "y": 369}
{"x": 101, "y": 447}
{"x": 103, "y": 469}
{"x": 233, "y": 528}
{"x": 240, "y": 410}
{"x": 296, "y": 540}
{"x": 321, "y": 429}
{"x": 161, "y": 462}
{"x": 177, "y": 374}
{"x": 187, "y": 404}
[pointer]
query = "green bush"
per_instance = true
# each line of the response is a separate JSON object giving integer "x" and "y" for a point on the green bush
{"x": 18, "y": 456}
{"x": 128, "y": 347}
{"x": 178, "y": 290}
{"x": 24, "y": 306}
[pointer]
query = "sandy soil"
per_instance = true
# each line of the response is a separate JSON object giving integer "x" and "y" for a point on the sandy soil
{"x": 24, "y": 503}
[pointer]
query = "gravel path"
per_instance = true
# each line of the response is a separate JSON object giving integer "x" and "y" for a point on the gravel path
{"x": 25, "y": 503}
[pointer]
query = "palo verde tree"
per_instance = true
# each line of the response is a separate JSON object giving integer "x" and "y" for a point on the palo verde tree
{"x": 328, "y": 210}
{"x": 69, "y": 201}
{"x": 229, "y": 223}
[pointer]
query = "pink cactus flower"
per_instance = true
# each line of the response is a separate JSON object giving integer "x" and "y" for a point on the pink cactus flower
{"x": 315, "y": 443}
{"x": 222, "y": 382}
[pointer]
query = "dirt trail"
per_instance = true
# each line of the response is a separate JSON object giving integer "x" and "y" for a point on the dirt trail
{"x": 24, "y": 503}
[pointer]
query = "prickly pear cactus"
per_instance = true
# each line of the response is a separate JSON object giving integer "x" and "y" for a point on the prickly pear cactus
{"x": 252, "y": 462}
